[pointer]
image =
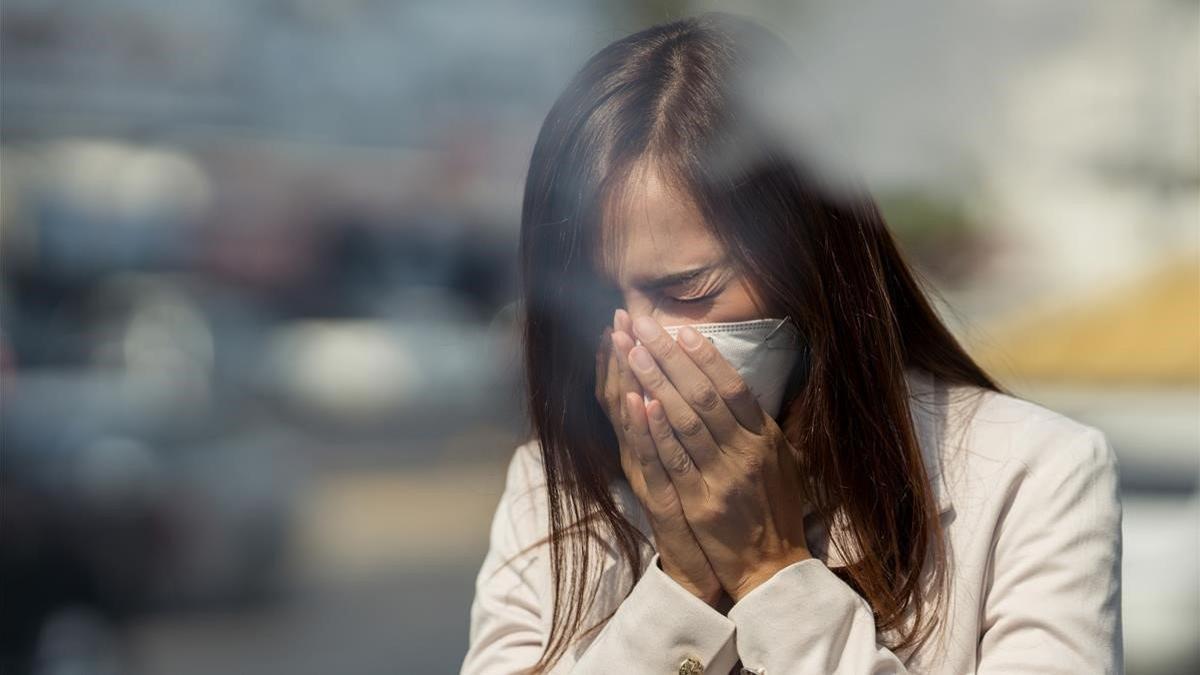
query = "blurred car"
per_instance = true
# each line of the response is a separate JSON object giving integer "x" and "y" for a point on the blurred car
{"x": 112, "y": 509}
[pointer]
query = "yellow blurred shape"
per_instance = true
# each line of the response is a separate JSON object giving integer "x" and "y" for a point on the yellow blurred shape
{"x": 1147, "y": 332}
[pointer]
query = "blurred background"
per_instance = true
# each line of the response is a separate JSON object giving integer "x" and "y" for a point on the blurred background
{"x": 258, "y": 374}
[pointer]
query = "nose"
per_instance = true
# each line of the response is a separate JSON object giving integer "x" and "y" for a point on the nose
{"x": 636, "y": 306}
{"x": 639, "y": 305}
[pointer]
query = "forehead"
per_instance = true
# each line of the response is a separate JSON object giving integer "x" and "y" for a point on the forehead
{"x": 651, "y": 229}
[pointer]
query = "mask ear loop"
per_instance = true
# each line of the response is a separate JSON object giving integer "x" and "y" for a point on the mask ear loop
{"x": 777, "y": 327}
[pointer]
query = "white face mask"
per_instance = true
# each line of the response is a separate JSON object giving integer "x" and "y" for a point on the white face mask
{"x": 763, "y": 351}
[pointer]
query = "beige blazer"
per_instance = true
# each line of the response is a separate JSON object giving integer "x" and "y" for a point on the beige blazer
{"x": 1032, "y": 517}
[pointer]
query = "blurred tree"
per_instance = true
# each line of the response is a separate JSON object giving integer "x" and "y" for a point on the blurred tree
{"x": 937, "y": 233}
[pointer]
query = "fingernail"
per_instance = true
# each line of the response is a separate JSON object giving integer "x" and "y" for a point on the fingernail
{"x": 690, "y": 338}
{"x": 641, "y": 358}
{"x": 616, "y": 318}
{"x": 644, "y": 326}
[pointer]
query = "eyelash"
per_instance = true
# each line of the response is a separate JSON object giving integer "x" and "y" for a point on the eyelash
{"x": 689, "y": 301}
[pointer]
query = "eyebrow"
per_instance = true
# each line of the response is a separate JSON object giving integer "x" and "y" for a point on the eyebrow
{"x": 674, "y": 278}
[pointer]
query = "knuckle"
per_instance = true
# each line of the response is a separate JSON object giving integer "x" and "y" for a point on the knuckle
{"x": 731, "y": 492}
{"x": 607, "y": 395}
{"x": 646, "y": 459}
{"x": 721, "y": 496}
{"x": 741, "y": 444}
{"x": 771, "y": 435}
{"x": 626, "y": 423}
{"x": 655, "y": 507}
{"x": 704, "y": 397}
{"x": 691, "y": 426}
{"x": 662, "y": 433}
{"x": 620, "y": 363}
{"x": 753, "y": 464}
{"x": 678, "y": 462}
{"x": 705, "y": 515}
{"x": 735, "y": 390}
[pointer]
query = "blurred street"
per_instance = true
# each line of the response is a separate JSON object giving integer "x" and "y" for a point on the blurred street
{"x": 407, "y": 605}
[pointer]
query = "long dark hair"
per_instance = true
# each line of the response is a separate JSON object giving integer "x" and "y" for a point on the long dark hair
{"x": 818, "y": 253}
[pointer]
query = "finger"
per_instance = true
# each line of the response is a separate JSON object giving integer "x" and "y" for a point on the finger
{"x": 727, "y": 381}
{"x": 689, "y": 379}
{"x": 622, "y": 321}
{"x": 624, "y": 342}
{"x": 659, "y": 495}
{"x": 612, "y": 385}
{"x": 626, "y": 380}
{"x": 680, "y": 468}
{"x": 622, "y": 381}
{"x": 602, "y": 359}
{"x": 632, "y": 469}
{"x": 652, "y": 470}
{"x": 689, "y": 426}
{"x": 621, "y": 417}
{"x": 624, "y": 384}
{"x": 633, "y": 474}
{"x": 607, "y": 394}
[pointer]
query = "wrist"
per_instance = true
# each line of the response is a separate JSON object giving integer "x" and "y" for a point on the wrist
{"x": 715, "y": 597}
{"x": 765, "y": 571}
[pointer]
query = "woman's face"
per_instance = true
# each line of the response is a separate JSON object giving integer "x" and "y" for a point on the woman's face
{"x": 667, "y": 264}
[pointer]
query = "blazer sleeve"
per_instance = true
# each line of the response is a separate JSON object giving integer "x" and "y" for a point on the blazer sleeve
{"x": 658, "y": 628}
{"x": 654, "y": 630}
{"x": 804, "y": 619}
{"x": 1054, "y": 602}
{"x": 1052, "y": 606}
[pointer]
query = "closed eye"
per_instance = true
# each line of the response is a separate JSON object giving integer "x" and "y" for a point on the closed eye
{"x": 690, "y": 301}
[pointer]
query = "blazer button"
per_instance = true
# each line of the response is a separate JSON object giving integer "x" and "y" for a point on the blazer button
{"x": 691, "y": 666}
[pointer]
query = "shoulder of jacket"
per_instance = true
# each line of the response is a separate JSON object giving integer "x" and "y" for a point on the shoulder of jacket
{"x": 1009, "y": 429}
{"x": 525, "y": 497}
{"x": 525, "y": 465}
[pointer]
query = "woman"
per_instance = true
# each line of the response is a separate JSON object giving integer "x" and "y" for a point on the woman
{"x": 828, "y": 483}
